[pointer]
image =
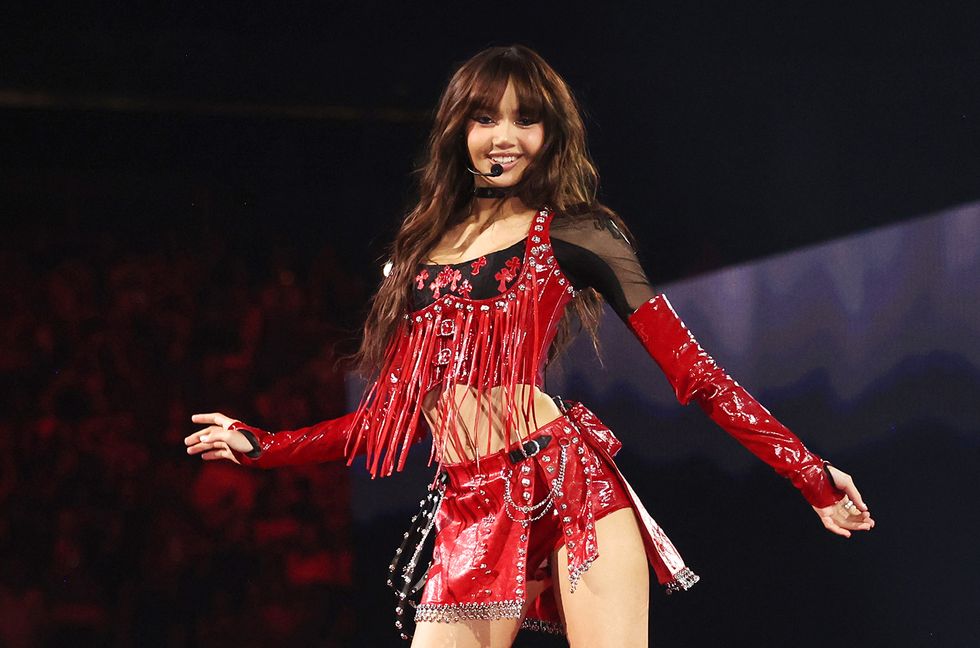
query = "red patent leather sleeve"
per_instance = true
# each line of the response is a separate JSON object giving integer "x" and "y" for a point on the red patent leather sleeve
{"x": 596, "y": 254}
{"x": 317, "y": 443}
{"x": 694, "y": 375}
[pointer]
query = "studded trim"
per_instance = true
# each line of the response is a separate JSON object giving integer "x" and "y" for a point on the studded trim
{"x": 575, "y": 575}
{"x": 455, "y": 612}
{"x": 513, "y": 329}
{"x": 683, "y": 580}
{"x": 538, "y": 625}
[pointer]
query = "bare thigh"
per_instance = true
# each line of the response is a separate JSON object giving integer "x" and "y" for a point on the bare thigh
{"x": 610, "y": 606}
{"x": 466, "y": 634}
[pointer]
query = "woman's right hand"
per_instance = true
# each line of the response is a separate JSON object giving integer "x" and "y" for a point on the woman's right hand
{"x": 216, "y": 441}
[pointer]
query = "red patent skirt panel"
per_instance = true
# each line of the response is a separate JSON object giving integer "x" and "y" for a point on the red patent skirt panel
{"x": 503, "y": 517}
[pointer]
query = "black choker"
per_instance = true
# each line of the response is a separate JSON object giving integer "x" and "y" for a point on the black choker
{"x": 490, "y": 192}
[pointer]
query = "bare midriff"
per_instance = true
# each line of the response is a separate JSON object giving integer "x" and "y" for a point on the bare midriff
{"x": 491, "y": 413}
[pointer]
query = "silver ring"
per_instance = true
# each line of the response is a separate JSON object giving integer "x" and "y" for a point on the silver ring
{"x": 537, "y": 448}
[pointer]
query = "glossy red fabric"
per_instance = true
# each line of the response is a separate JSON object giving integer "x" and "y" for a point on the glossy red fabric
{"x": 478, "y": 343}
{"x": 503, "y": 342}
{"x": 695, "y": 376}
{"x": 484, "y": 556}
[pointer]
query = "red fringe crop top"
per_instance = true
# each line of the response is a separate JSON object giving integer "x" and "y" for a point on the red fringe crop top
{"x": 489, "y": 322}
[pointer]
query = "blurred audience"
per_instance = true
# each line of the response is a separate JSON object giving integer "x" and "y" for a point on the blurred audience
{"x": 111, "y": 535}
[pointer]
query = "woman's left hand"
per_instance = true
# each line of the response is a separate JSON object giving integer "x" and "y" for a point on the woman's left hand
{"x": 848, "y": 514}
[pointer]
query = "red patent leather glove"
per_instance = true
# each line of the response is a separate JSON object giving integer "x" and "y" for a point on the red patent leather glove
{"x": 226, "y": 438}
{"x": 694, "y": 376}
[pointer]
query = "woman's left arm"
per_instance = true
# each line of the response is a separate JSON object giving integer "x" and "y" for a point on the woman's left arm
{"x": 695, "y": 376}
{"x": 602, "y": 258}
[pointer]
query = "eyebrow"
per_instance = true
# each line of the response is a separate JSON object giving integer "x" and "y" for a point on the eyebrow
{"x": 495, "y": 112}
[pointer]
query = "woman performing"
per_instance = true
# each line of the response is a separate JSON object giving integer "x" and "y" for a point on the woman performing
{"x": 534, "y": 524}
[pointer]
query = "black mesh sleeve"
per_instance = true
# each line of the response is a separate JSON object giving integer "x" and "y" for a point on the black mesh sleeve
{"x": 594, "y": 253}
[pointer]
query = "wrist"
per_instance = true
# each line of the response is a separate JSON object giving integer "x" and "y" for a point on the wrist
{"x": 251, "y": 436}
{"x": 816, "y": 484}
{"x": 826, "y": 469}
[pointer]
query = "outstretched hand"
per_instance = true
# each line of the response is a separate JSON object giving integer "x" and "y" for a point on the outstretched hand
{"x": 216, "y": 441}
{"x": 850, "y": 513}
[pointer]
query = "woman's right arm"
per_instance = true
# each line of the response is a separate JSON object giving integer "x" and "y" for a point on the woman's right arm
{"x": 227, "y": 438}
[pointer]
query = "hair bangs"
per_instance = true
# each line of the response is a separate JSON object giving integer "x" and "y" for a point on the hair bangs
{"x": 490, "y": 83}
{"x": 561, "y": 176}
{"x": 487, "y": 89}
{"x": 530, "y": 95}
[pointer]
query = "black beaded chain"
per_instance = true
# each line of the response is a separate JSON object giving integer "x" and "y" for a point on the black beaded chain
{"x": 402, "y": 574}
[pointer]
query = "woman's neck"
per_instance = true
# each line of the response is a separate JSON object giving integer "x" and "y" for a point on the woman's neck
{"x": 484, "y": 211}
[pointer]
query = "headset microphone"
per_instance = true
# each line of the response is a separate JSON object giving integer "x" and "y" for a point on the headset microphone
{"x": 495, "y": 170}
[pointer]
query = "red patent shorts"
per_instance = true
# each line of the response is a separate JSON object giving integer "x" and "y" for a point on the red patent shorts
{"x": 501, "y": 520}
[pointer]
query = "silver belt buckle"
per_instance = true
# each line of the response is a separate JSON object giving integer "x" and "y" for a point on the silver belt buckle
{"x": 537, "y": 448}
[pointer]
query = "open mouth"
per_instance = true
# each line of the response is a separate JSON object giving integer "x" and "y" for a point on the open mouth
{"x": 506, "y": 161}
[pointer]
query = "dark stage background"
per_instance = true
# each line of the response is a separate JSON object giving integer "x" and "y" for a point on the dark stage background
{"x": 196, "y": 203}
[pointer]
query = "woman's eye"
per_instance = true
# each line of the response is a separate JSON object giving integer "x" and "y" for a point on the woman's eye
{"x": 483, "y": 119}
{"x": 526, "y": 121}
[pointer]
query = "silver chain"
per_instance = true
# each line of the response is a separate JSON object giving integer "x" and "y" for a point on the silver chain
{"x": 556, "y": 485}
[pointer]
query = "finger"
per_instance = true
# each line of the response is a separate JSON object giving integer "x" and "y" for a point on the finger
{"x": 207, "y": 443}
{"x": 855, "y": 495}
{"x": 853, "y": 514}
{"x": 214, "y": 433}
{"x": 198, "y": 448}
{"x": 213, "y": 418}
{"x": 217, "y": 450}
{"x": 201, "y": 434}
{"x": 834, "y": 527}
{"x": 862, "y": 518}
{"x": 854, "y": 525}
{"x": 216, "y": 454}
{"x": 847, "y": 507}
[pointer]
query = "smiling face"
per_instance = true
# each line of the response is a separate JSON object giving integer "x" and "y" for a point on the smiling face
{"x": 503, "y": 136}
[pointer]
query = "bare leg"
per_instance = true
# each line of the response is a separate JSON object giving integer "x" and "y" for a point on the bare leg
{"x": 466, "y": 634}
{"x": 474, "y": 633}
{"x": 610, "y": 606}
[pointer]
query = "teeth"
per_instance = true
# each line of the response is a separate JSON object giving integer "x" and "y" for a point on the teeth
{"x": 504, "y": 160}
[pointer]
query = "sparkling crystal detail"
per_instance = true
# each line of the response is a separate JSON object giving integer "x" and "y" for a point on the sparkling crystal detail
{"x": 456, "y": 612}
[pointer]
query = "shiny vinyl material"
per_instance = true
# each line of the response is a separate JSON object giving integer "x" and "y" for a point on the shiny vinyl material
{"x": 695, "y": 376}
{"x": 486, "y": 553}
{"x": 503, "y": 342}
{"x": 452, "y": 342}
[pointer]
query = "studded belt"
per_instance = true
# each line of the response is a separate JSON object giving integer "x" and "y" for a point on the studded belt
{"x": 529, "y": 449}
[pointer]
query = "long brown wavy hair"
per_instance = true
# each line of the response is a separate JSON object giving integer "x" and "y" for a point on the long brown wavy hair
{"x": 561, "y": 176}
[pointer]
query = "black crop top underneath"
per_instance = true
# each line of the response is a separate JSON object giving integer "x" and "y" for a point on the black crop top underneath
{"x": 591, "y": 252}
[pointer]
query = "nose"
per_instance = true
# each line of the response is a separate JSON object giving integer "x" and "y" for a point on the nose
{"x": 503, "y": 135}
